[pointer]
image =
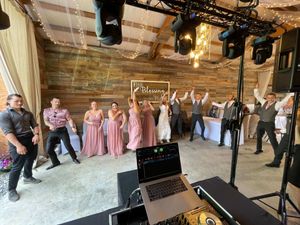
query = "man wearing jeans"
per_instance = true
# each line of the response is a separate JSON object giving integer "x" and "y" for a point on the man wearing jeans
{"x": 22, "y": 133}
{"x": 56, "y": 118}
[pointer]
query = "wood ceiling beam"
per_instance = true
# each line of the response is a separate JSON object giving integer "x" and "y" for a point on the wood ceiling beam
{"x": 58, "y": 8}
{"x": 162, "y": 37}
{"x": 125, "y": 39}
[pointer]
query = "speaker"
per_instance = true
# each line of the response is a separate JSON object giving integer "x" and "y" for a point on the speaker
{"x": 286, "y": 76}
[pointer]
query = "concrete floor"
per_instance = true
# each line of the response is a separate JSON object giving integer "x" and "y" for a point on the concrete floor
{"x": 72, "y": 191}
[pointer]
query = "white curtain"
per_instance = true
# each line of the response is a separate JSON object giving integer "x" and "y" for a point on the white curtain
{"x": 19, "y": 66}
{"x": 263, "y": 81}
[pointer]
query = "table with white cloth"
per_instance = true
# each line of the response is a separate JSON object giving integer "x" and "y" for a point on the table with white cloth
{"x": 213, "y": 128}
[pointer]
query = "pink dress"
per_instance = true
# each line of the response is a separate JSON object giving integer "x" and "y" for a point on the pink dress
{"x": 134, "y": 130}
{"x": 115, "y": 136}
{"x": 149, "y": 136}
{"x": 94, "y": 139}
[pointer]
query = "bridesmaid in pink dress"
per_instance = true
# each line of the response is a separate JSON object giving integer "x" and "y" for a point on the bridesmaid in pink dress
{"x": 134, "y": 123}
{"x": 94, "y": 139}
{"x": 116, "y": 121}
{"x": 149, "y": 136}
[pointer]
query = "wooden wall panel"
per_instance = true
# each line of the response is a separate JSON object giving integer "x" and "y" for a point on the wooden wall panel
{"x": 79, "y": 76}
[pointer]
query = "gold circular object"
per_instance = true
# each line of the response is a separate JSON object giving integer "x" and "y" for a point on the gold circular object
{"x": 207, "y": 218}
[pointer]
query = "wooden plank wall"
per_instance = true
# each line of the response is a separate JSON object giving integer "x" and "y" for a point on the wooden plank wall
{"x": 80, "y": 76}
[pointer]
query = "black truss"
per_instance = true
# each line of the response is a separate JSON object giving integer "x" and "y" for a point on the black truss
{"x": 208, "y": 12}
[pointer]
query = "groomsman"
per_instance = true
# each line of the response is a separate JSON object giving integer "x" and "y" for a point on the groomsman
{"x": 197, "y": 102}
{"x": 56, "y": 119}
{"x": 176, "y": 111}
{"x": 283, "y": 145}
{"x": 266, "y": 123}
{"x": 229, "y": 114}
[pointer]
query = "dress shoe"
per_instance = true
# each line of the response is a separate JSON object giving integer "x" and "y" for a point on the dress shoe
{"x": 258, "y": 152}
{"x": 76, "y": 161}
{"x": 221, "y": 144}
{"x": 31, "y": 180}
{"x": 203, "y": 138}
{"x": 52, "y": 166}
{"x": 273, "y": 164}
{"x": 13, "y": 195}
{"x": 191, "y": 139}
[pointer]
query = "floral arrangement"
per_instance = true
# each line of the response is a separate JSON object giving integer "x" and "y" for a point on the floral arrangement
{"x": 5, "y": 163}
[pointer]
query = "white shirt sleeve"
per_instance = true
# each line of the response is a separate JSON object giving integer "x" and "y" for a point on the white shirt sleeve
{"x": 219, "y": 105}
{"x": 278, "y": 105}
{"x": 173, "y": 98}
{"x": 258, "y": 97}
{"x": 192, "y": 96}
{"x": 205, "y": 98}
{"x": 184, "y": 97}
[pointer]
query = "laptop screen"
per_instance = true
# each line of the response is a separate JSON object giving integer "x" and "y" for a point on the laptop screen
{"x": 159, "y": 161}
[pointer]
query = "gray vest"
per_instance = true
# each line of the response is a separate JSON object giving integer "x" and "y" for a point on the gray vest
{"x": 176, "y": 108}
{"x": 268, "y": 115}
{"x": 197, "y": 108}
{"x": 229, "y": 112}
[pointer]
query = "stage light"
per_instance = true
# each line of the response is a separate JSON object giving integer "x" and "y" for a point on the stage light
{"x": 226, "y": 33}
{"x": 4, "y": 20}
{"x": 184, "y": 28}
{"x": 233, "y": 41}
{"x": 262, "y": 49}
{"x": 109, "y": 14}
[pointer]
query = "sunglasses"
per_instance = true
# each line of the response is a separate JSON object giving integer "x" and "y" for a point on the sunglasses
{"x": 55, "y": 114}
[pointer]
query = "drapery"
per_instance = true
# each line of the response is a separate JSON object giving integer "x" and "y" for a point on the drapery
{"x": 263, "y": 79}
{"x": 19, "y": 66}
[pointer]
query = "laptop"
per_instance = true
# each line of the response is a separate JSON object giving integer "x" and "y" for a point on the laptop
{"x": 164, "y": 189}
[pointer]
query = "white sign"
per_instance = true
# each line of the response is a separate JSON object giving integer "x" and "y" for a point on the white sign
{"x": 150, "y": 90}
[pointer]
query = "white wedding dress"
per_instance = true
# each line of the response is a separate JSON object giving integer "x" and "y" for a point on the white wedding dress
{"x": 163, "y": 126}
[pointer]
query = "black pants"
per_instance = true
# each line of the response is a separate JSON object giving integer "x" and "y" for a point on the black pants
{"x": 268, "y": 127}
{"x": 20, "y": 161}
{"x": 224, "y": 128}
{"x": 199, "y": 118}
{"x": 282, "y": 147}
{"x": 176, "y": 119}
{"x": 53, "y": 136}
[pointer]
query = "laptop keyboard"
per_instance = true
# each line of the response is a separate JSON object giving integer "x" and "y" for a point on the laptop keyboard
{"x": 165, "y": 188}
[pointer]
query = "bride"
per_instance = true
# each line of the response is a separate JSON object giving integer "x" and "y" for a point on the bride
{"x": 163, "y": 126}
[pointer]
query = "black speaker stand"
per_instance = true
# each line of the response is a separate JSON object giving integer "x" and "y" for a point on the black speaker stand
{"x": 283, "y": 196}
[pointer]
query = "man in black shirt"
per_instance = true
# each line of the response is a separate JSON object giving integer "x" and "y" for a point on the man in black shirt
{"x": 22, "y": 133}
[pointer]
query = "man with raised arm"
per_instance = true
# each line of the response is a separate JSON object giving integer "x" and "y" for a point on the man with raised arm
{"x": 266, "y": 123}
{"x": 176, "y": 112}
{"x": 198, "y": 103}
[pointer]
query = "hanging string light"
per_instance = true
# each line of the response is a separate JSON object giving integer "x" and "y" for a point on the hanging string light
{"x": 46, "y": 27}
{"x": 203, "y": 38}
{"x": 273, "y": 4}
{"x": 133, "y": 54}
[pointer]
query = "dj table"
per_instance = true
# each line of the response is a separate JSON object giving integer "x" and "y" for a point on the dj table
{"x": 239, "y": 206}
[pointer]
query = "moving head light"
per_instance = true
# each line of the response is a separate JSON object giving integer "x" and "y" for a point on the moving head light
{"x": 233, "y": 41}
{"x": 262, "y": 49}
{"x": 109, "y": 14}
{"x": 184, "y": 28}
